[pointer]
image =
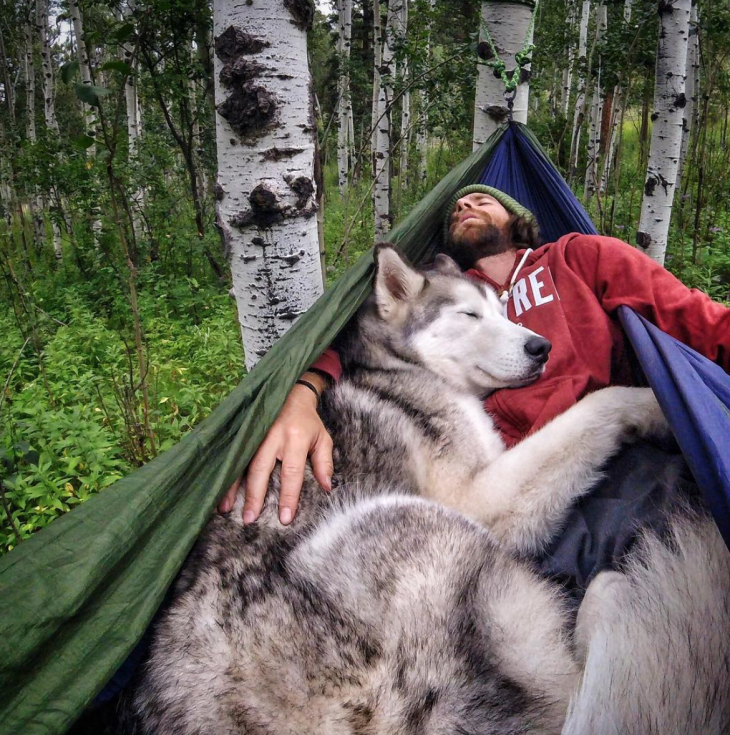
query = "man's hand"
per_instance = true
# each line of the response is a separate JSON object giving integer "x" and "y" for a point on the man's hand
{"x": 297, "y": 433}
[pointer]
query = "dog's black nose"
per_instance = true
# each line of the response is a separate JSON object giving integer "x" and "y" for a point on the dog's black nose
{"x": 538, "y": 348}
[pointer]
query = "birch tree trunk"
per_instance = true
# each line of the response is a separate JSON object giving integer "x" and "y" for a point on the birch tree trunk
{"x": 405, "y": 120}
{"x": 49, "y": 89}
{"x": 82, "y": 56}
{"x": 666, "y": 135}
{"x": 386, "y": 71}
{"x": 344, "y": 102}
{"x": 134, "y": 120}
{"x": 594, "y": 133}
{"x": 580, "y": 99}
{"x": 29, "y": 75}
{"x": 509, "y": 25}
{"x": 377, "y": 62}
{"x": 422, "y": 140}
{"x": 567, "y": 80}
{"x": 691, "y": 89}
{"x": 35, "y": 202}
{"x": 265, "y": 136}
{"x": 49, "y": 111}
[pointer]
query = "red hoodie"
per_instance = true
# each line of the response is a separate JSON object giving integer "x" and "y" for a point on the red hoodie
{"x": 568, "y": 291}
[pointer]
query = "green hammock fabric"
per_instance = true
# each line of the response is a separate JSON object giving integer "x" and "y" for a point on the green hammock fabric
{"x": 77, "y": 597}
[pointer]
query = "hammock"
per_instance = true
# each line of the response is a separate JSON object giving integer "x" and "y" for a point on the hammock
{"x": 76, "y": 598}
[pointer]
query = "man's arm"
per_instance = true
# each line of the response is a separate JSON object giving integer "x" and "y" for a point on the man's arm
{"x": 297, "y": 433}
{"x": 622, "y": 275}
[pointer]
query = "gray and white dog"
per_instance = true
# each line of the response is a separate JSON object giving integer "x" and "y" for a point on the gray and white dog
{"x": 403, "y": 602}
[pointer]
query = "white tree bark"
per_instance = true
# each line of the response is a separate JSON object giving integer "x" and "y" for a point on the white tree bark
{"x": 666, "y": 135}
{"x": 344, "y": 101}
{"x": 377, "y": 61}
{"x": 49, "y": 89}
{"x": 77, "y": 21}
{"x": 35, "y": 202}
{"x": 386, "y": 71}
{"x": 691, "y": 89}
{"x": 134, "y": 119}
{"x": 265, "y": 135}
{"x": 594, "y": 133}
{"x": 422, "y": 140}
{"x": 29, "y": 75}
{"x": 567, "y": 80}
{"x": 509, "y": 25}
{"x": 405, "y": 120}
{"x": 580, "y": 99}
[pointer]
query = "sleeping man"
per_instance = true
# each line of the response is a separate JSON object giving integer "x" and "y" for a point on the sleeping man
{"x": 568, "y": 291}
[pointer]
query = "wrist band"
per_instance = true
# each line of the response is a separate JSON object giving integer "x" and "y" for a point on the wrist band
{"x": 321, "y": 373}
{"x": 310, "y": 386}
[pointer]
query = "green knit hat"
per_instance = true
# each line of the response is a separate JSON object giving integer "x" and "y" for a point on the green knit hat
{"x": 510, "y": 204}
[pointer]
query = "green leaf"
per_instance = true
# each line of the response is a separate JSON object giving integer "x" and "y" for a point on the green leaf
{"x": 68, "y": 71}
{"x": 121, "y": 66}
{"x": 90, "y": 94}
{"x": 83, "y": 142}
{"x": 124, "y": 32}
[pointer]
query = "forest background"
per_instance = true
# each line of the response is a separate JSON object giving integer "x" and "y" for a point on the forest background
{"x": 118, "y": 329}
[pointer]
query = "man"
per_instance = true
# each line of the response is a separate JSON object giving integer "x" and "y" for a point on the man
{"x": 569, "y": 292}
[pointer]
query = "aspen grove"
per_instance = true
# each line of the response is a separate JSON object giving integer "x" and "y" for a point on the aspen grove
{"x": 180, "y": 180}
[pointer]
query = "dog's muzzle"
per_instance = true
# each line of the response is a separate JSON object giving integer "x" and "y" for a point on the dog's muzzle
{"x": 538, "y": 348}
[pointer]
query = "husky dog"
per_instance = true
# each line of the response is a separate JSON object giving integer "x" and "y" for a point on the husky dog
{"x": 403, "y": 601}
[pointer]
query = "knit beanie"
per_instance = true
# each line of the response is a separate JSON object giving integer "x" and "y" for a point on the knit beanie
{"x": 510, "y": 204}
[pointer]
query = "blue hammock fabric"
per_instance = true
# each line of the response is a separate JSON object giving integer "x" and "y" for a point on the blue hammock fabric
{"x": 694, "y": 394}
{"x": 521, "y": 168}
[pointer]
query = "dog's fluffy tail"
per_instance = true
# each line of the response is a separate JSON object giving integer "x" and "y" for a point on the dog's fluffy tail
{"x": 658, "y": 656}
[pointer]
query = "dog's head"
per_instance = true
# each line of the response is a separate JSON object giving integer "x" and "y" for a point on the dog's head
{"x": 449, "y": 324}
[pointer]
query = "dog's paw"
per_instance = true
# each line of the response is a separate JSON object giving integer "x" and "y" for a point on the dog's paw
{"x": 643, "y": 414}
{"x": 636, "y": 409}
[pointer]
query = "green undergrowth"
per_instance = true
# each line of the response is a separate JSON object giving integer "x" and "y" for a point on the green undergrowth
{"x": 72, "y": 421}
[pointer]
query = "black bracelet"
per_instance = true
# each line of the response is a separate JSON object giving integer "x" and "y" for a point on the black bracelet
{"x": 310, "y": 386}
{"x": 322, "y": 374}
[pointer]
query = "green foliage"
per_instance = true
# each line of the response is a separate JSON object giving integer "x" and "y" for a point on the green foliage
{"x": 67, "y": 429}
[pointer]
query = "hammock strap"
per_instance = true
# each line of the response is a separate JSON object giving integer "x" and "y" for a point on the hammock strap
{"x": 522, "y": 59}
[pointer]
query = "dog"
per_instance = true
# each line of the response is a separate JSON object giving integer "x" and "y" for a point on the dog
{"x": 405, "y": 601}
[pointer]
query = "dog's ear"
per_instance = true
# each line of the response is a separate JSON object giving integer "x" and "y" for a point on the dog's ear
{"x": 396, "y": 282}
{"x": 446, "y": 265}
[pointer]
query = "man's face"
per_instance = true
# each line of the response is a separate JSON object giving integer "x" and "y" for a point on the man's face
{"x": 479, "y": 228}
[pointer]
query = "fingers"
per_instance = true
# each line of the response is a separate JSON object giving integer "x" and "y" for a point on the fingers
{"x": 229, "y": 499}
{"x": 257, "y": 481}
{"x": 322, "y": 464}
{"x": 292, "y": 474}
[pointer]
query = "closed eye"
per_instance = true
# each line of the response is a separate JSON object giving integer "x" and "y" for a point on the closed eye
{"x": 471, "y": 314}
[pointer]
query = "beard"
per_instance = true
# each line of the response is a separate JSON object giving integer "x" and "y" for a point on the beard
{"x": 476, "y": 239}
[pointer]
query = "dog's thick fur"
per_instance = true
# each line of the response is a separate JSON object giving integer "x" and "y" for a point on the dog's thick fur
{"x": 402, "y": 602}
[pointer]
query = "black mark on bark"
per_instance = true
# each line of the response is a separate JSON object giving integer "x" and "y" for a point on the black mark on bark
{"x": 643, "y": 240}
{"x": 484, "y": 51}
{"x": 249, "y": 109}
{"x": 302, "y": 12}
{"x": 277, "y": 154}
{"x": 240, "y": 71}
{"x": 233, "y": 42}
{"x": 303, "y": 187}
{"x": 497, "y": 113}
